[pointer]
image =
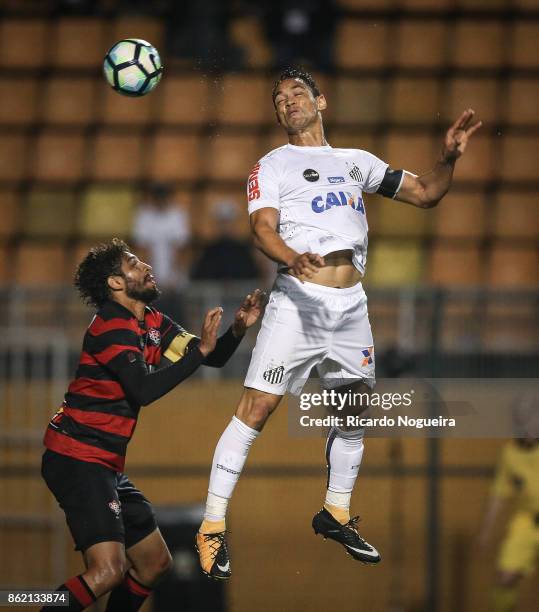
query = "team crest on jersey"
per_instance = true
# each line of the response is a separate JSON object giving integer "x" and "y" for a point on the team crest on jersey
{"x": 154, "y": 336}
{"x": 311, "y": 175}
{"x": 355, "y": 174}
{"x": 116, "y": 507}
{"x": 367, "y": 356}
{"x": 274, "y": 375}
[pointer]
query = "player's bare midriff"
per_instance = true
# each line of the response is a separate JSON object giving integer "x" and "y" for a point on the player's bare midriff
{"x": 338, "y": 271}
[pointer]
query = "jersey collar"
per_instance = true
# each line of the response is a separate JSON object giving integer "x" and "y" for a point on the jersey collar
{"x": 113, "y": 307}
{"x": 320, "y": 148}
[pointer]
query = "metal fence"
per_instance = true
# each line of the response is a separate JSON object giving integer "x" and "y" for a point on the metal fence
{"x": 434, "y": 333}
{"x": 437, "y": 328}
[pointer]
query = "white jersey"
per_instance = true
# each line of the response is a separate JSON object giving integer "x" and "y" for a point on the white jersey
{"x": 318, "y": 192}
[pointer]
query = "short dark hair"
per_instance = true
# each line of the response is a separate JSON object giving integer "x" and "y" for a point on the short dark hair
{"x": 93, "y": 271}
{"x": 296, "y": 73}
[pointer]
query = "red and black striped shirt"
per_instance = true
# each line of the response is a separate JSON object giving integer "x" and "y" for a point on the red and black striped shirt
{"x": 115, "y": 376}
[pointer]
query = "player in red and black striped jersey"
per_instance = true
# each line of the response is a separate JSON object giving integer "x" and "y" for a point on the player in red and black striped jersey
{"x": 117, "y": 373}
{"x": 132, "y": 355}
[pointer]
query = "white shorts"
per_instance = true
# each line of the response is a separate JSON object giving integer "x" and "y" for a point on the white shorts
{"x": 307, "y": 325}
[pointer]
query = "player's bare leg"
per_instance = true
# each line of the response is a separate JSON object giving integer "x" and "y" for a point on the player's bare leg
{"x": 130, "y": 576}
{"x": 106, "y": 565}
{"x": 230, "y": 455}
{"x": 150, "y": 560}
{"x": 344, "y": 452}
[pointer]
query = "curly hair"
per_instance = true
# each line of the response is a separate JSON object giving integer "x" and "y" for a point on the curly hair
{"x": 296, "y": 73}
{"x": 93, "y": 271}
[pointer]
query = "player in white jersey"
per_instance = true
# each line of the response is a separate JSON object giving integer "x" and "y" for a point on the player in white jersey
{"x": 307, "y": 213}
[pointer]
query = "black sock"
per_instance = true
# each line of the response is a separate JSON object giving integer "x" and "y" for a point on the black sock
{"x": 80, "y": 595}
{"x": 127, "y": 596}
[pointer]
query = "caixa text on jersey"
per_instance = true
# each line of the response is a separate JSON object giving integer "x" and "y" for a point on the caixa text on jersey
{"x": 342, "y": 198}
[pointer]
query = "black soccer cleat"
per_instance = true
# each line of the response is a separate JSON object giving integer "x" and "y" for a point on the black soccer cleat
{"x": 347, "y": 535}
{"x": 213, "y": 553}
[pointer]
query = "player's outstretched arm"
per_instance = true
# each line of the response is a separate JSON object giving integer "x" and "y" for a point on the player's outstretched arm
{"x": 247, "y": 315}
{"x": 210, "y": 327}
{"x": 143, "y": 386}
{"x": 428, "y": 189}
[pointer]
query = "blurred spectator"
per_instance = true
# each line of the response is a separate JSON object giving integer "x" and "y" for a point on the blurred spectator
{"x": 200, "y": 31}
{"x": 162, "y": 228}
{"x": 516, "y": 480}
{"x": 395, "y": 363}
{"x": 301, "y": 31}
{"x": 226, "y": 257}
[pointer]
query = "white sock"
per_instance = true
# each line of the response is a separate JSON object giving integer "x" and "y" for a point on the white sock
{"x": 228, "y": 461}
{"x": 340, "y": 500}
{"x": 344, "y": 451}
{"x": 215, "y": 507}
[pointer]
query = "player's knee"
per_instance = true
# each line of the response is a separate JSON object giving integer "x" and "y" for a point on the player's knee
{"x": 258, "y": 412}
{"x": 155, "y": 569}
{"x": 162, "y": 565}
{"x": 108, "y": 573}
{"x": 254, "y": 410}
{"x": 508, "y": 579}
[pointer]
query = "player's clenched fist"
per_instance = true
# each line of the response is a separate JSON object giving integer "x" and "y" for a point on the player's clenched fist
{"x": 306, "y": 265}
{"x": 210, "y": 327}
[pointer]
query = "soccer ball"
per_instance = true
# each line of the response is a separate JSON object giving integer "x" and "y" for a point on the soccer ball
{"x": 132, "y": 67}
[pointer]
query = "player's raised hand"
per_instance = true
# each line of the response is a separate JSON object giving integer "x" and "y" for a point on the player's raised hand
{"x": 306, "y": 265}
{"x": 458, "y": 135}
{"x": 249, "y": 312}
{"x": 210, "y": 327}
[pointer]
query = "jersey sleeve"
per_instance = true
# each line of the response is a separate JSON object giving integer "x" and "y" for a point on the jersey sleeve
{"x": 379, "y": 177}
{"x": 175, "y": 340}
{"x": 263, "y": 186}
{"x": 373, "y": 170}
{"x": 145, "y": 386}
{"x": 177, "y": 343}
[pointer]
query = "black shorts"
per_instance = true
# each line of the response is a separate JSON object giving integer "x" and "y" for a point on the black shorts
{"x": 100, "y": 505}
